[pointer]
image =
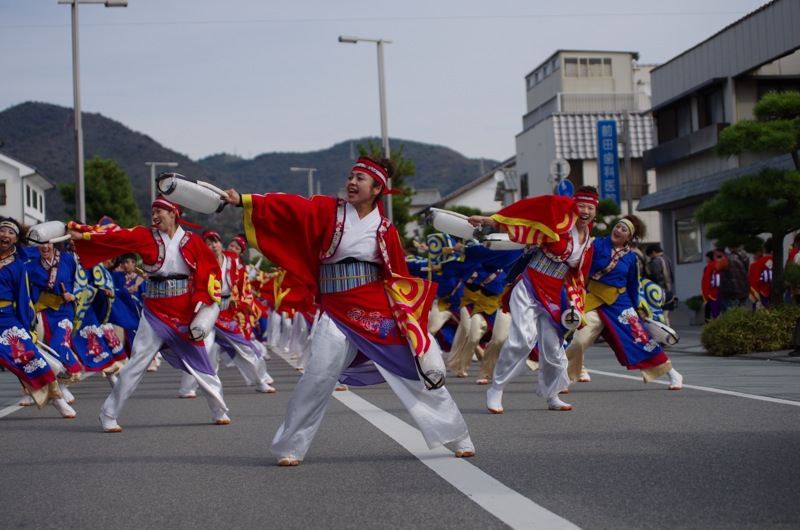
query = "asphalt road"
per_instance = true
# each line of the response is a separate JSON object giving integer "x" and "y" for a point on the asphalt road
{"x": 723, "y": 452}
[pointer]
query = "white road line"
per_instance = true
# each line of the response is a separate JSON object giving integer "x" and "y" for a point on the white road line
{"x": 706, "y": 389}
{"x": 8, "y": 410}
{"x": 515, "y": 510}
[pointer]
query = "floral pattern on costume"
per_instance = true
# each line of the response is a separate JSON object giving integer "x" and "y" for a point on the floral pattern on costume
{"x": 629, "y": 317}
{"x": 372, "y": 322}
{"x": 14, "y": 338}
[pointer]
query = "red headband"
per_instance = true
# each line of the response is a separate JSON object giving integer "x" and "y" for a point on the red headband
{"x": 166, "y": 204}
{"x": 587, "y": 197}
{"x": 211, "y": 233}
{"x": 365, "y": 165}
{"x": 240, "y": 241}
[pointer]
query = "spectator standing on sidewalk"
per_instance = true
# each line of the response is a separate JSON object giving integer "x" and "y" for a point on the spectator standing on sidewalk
{"x": 663, "y": 273}
{"x": 760, "y": 277}
{"x": 710, "y": 285}
{"x": 794, "y": 258}
{"x": 734, "y": 288}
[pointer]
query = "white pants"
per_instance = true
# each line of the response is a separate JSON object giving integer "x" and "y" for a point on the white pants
{"x": 582, "y": 339}
{"x": 531, "y": 325}
{"x": 286, "y": 333}
{"x": 299, "y": 334}
{"x": 273, "y": 330}
{"x": 434, "y": 411}
{"x": 302, "y": 362}
{"x": 502, "y": 323}
{"x": 252, "y": 367}
{"x": 146, "y": 345}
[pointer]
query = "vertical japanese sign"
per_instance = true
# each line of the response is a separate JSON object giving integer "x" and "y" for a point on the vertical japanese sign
{"x": 608, "y": 160}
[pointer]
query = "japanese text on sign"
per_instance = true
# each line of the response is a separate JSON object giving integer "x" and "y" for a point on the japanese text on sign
{"x": 608, "y": 160}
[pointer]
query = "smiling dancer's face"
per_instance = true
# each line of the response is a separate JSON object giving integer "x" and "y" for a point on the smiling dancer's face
{"x": 8, "y": 238}
{"x": 586, "y": 214}
{"x": 361, "y": 188}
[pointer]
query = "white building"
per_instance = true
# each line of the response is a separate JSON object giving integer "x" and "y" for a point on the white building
{"x": 696, "y": 95}
{"x": 489, "y": 193}
{"x": 566, "y": 96}
{"x": 22, "y": 190}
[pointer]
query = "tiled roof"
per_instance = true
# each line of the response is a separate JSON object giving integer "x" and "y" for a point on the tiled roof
{"x": 576, "y": 134}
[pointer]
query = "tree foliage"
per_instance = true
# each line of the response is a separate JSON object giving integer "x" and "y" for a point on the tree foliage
{"x": 608, "y": 215}
{"x": 401, "y": 202}
{"x": 107, "y": 192}
{"x": 775, "y": 129}
{"x": 768, "y": 202}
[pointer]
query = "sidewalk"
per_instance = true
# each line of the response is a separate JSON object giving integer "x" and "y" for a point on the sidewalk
{"x": 690, "y": 343}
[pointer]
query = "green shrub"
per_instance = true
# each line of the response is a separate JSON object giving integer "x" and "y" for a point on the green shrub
{"x": 695, "y": 303}
{"x": 791, "y": 275}
{"x": 742, "y": 330}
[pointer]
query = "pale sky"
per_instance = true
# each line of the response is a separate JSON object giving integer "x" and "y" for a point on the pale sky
{"x": 249, "y": 77}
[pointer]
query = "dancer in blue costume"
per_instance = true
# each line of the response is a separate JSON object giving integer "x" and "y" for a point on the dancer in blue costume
{"x": 611, "y": 309}
{"x": 18, "y": 351}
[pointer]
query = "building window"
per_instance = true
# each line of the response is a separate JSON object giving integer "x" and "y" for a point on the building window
{"x": 690, "y": 249}
{"x": 523, "y": 186}
{"x": 710, "y": 108}
{"x": 27, "y": 196}
{"x": 587, "y": 67}
{"x": 35, "y": 200}
{"x": 2, "y": 193}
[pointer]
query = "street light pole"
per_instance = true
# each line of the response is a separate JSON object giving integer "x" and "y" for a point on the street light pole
{"x": 310, "y": 171}
{"x": 382, "y": 99}
{"x": 80, "y": 193}
{"x": 153, "y": 176}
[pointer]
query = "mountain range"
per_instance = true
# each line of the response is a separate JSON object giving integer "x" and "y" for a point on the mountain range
{"x": 41, "y": 135}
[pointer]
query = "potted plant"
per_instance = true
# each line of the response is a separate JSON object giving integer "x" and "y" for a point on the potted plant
{"x": 695, "y": 304}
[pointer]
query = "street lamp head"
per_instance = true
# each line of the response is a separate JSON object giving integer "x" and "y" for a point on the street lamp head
{"x": 296, "y": 169}
{"x": 349, "y": 40}
{"x": 107, "y": 3}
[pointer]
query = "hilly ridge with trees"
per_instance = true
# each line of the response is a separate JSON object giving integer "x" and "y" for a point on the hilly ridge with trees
{"x": 42, "y": 135}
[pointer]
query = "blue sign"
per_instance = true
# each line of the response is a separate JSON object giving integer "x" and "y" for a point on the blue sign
{"x": 565, "y": 188}
{"x": 608, "y": 160}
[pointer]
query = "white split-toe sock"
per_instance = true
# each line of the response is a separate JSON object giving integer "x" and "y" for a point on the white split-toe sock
{"x": 675, "y": 379}
{"x": 62, "y": 407}
{"x": 554, "y": 403}
{"x": 494, "y": 400}
{"x": 68, "y": 397}
{"x": 109, "y": 424}
{"x": 265, "y": 388}
{"x": 464, "y": 448}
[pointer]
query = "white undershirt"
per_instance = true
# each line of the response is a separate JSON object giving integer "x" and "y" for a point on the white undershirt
{"x": 173, "y": 260}
{"x": 577, "y": 249}
{"x": 225, "y": 285}
{"x": 359, "y": 240}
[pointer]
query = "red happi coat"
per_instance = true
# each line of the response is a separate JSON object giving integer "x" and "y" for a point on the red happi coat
{"x": 547, "y": 222}
{"x": 710, "y": 282}
{"x": 297, "y": 234}
{"x": 108, "y": 241}
{"x": 760, "y": 270}
{"x": 244, "y": 308}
